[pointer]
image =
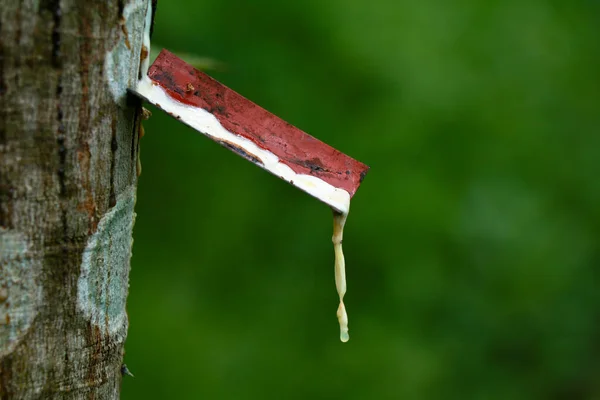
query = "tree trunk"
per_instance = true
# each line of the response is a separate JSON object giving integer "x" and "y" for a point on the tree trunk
{"x": 68, "y": 156}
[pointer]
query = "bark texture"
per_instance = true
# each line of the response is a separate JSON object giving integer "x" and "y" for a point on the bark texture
{"x": 68, "y": 155}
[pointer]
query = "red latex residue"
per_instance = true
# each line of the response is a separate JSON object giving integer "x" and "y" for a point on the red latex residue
{"x": 301, "y": 152}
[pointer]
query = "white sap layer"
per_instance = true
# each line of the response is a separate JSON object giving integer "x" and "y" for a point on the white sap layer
{"x": 209, "y": 125}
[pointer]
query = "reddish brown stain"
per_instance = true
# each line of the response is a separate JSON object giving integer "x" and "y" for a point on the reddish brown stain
{"x": 96, "y": 344}
{"x": 89, "y": 204}
{"x": 301, "y": 152}
{"x": 143, "y": 53}
{"x": 126, "y": 34}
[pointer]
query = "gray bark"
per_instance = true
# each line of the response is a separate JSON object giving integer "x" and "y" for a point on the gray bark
{"x": 68, "y": 155}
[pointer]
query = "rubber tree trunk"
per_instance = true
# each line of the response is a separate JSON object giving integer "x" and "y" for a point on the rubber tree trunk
{"x": 68, "y": 155}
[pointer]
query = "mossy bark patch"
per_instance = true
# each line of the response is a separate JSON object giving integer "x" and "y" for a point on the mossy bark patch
{"x": 19, "y": 292}
{"x": 102, "y": 292}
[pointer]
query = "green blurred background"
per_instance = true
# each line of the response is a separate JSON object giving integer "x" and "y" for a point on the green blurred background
{"x": 472, "y": 246}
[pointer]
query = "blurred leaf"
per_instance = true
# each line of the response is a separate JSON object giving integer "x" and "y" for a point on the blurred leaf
{"x": 199, "y": 62}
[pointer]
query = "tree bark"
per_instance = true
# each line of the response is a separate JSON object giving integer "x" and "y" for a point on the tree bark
{"x": 68, "y": 157}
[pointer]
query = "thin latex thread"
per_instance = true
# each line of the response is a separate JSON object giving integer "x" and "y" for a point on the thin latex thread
{"x": 339, "y": 220}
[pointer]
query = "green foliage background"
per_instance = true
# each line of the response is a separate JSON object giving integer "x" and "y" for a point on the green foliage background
{"x": 472, "y": 247}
